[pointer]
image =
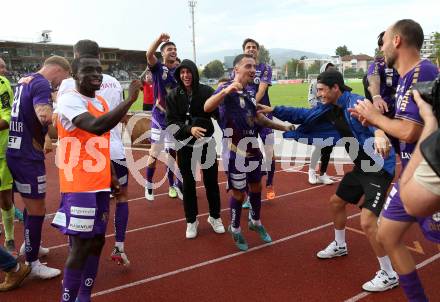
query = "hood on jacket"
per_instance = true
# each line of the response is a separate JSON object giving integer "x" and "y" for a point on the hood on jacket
{"x": 324, "y": 67}
{"x": 194, "y": 71}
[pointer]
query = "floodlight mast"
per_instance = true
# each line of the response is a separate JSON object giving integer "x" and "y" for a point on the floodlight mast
{"x": 192, "y": 5}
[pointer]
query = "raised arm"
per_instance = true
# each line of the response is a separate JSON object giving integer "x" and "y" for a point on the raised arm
{"x": 151, "y": 57}
{"x": 106, "y": 122}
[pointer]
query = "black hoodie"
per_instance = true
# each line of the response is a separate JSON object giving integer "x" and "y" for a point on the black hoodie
{"x": 178, "y": 104}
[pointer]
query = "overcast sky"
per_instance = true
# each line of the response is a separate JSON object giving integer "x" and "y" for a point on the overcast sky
{"x": 310, "y": 25}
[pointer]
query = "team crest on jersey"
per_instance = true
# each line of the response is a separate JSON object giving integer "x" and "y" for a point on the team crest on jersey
{"x": 436, "y": 217}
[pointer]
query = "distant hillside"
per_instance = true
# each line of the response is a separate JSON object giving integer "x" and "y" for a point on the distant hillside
{"x": 279, "y": 55}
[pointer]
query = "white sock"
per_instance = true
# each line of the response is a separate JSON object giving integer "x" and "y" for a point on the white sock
{"x": 235, "y": 230}
{"x": 385, "y": 264}
{"x": 340, "y": 236}
{"x": 256, "y": 222}
{"x": 119, "y": 245}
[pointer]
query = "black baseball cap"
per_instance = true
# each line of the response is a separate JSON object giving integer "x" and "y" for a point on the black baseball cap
{"x": 332, "y": 77}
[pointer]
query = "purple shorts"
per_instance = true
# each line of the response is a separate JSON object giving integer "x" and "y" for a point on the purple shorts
{"x": 83, "y": 214}
{"x": 29, "y": 177}
{"x": 159, "y": 134}
{"x": 121, "y": 170}
{"x": 394, "y": 210}
{"x": 242, "y": 171}
{"x": 267, "y": 136}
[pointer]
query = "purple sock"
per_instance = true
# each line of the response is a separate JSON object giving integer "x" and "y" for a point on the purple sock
{"x": 170, "y": 176}
{"x": 255, "y": 200}
{"x": 270, "y": 174}
{"x": 412, "y": 287}
{"x": 70, "y": 284}
{"x": 88, "y": 278}
{"x": 235, "y": 206}
{"x": 121, "y": 220}
{"x": 32, "y": 236}
{"x": 150, "y": 174}
{"x": 25, "y": 215}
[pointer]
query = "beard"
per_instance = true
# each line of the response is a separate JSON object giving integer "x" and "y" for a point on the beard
{"x": 390, "y": 60}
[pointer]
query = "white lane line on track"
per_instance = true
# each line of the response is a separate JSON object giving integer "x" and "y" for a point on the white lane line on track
{"x": 215, "y": 260}
{"x": 183, "y": 219}
{"x": 418, "y": 266}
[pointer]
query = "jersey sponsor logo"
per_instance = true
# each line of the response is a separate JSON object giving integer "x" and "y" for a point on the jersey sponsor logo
{"x": 14, "y": 142}
{"x": 60, "y": 219}
{"x": 108, "y": 85}
{"x": 16, "y": 126}
{"x": 405, "y": 155}
{"x": 81, "y": 211}
{"x": 81, "y": 225}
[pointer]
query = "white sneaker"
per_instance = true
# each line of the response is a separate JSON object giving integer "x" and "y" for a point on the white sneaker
{"x": 191, "y": 229}
{"x": 216, "y": 224}
{"x": 41, "y": 271}
{"x": 149, "y": 194}
{"x": 381, "y": 282}
{"x": 43, "y": 251}
{"x": 179, "y": 192}
{"x": 333, "y": 250}
{"x": 312, "y": 177}
{"x": 324, "y": 179}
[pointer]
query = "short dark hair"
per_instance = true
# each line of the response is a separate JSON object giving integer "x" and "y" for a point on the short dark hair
{"x": 411, "y": 32}
{"x": 77, "y": 61}
{"x": 86, "y": 48}
{"x": 240, "y": 57}
{"x": 246, "y": 41}
{"x": 380, "y": 39}
{"x": 162, "y": 47}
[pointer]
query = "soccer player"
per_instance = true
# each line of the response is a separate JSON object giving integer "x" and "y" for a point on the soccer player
{"x": 31, "y": 115}
{"x": 382, "y": 83}
{"x": 402, "y": 42}
{"x": 240, "y": 122}
{"x": 111, "y": 91}
{"x": 371, "y": 176}
{"x": 6, "y": 204}
{"x": 260, "y": 90}
{"x": 323, "y": 152}
{"x": 5, "y": 201}
{"x": 86, "y": 174}
{"x": 163, "y": 82}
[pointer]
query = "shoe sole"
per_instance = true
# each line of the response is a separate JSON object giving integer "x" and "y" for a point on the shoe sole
{"x": 330, "y": 257}
{"x": 382, "y": 290}
{"x": 120, "y": 261}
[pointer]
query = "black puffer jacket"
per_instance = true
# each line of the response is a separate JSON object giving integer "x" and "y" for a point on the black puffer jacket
{"x": 178, "y": 103}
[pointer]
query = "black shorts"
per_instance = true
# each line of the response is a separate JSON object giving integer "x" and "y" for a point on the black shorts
{"x": 374, "y": 186}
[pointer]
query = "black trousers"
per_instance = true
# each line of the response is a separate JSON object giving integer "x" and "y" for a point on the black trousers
{"x": 188, "y": 159}
{"x": 325, "y": 158}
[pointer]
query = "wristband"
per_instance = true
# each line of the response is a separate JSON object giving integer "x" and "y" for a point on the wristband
{"x": 377, "y": 96}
